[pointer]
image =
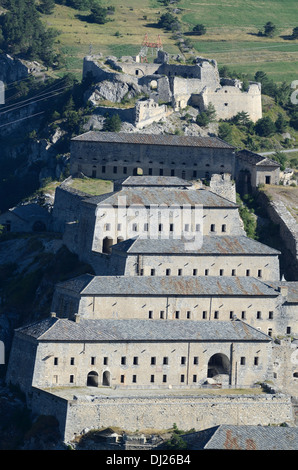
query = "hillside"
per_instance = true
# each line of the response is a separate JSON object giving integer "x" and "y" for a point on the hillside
{"x": 232, "y": 37}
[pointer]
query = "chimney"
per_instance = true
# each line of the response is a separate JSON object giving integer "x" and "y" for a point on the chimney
{"x": 77, "y": 317}
{"x": 283, "y": 290}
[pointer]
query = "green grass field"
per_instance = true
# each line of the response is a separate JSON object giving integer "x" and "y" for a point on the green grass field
{"x": 231, "y": 37}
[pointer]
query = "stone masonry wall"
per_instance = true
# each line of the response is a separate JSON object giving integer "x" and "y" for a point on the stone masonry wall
{"x": 159, "y": 413}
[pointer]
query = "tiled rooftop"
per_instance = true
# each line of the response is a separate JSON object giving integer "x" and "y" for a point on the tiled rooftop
{"x": 212, "y": 245}
{"x": 60, "y": 329}
{"x": 232, "y": 437}
{"x": 155, "y": 139}
{"x": 176, "y": 197}
{"x": 170, "y": 285}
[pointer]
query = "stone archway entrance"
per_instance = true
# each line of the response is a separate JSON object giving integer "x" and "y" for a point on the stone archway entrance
{"x": 106, "y": 378}
{"x": 218, "y": 365}
{"x": 92, "y": 379}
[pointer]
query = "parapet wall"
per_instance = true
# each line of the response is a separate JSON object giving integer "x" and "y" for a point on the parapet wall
{"x": 142, "y": 413}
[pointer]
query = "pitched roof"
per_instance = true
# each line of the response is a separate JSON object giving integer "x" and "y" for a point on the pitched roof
{"x": 292, "y": 286}
{"x": 153, "y": 181}
{"x": 256, "y": 159}
{"x": 158, "y": 195}
{"x": 155, "y": 139}
{"x": 61, "y": 329}
{"x": 238, "y": 437}
{"x": 171, "y": 285}
{"x": 212, "y": 245}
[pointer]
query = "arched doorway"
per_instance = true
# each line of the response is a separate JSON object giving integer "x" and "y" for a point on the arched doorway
{"x": 106, "y": 245}
{"x": 218, "y": 364}
{"x": 92, "y": 379}
{"x": 106, "y": 378}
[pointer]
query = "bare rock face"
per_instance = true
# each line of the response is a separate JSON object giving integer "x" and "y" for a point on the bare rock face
{"x": 12, "y": 69}
{"x": 114, "y": 91}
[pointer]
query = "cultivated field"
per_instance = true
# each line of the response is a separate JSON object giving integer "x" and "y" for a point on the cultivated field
{"x": 232, "y": 33}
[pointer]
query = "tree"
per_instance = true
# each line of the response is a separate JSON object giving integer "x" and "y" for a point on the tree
{"x": 225, "y": 132}
{"x": 167, "y": 21}
{"x": 99, "y": 14}
{"x": 112, "y": 124}
{"x": 295, "y": 33}
{"x": 46, "y": 6}
{"x": 207, "y": 116}
{"x": 281, "y": 123}
{"x": 265, "y": 127}
{"x": 199, "y": 29}
{"x": 269, "y": 29}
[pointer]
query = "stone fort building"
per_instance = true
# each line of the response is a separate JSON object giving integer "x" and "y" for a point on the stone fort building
{"x": 181, "y": 300}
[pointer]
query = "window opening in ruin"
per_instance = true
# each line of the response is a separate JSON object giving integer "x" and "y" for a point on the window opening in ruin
{"x": 268, "y": 179}
{"x": 92, "y": 379}
{"x": 218, "y": 364}
{"x": 106, "y": 378}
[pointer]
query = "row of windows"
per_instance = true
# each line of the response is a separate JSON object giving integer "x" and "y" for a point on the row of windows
{"x": 160, "y": 171}
{"x": 153, "y": 361}
{"x": 161, "y": 228}
{"x": 215, "y": 314}
{"x": 221, "y": 272}
{"x": 134, "y": 361}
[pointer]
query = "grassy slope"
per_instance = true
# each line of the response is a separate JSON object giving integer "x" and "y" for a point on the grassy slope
{"x": 231, "y": 36}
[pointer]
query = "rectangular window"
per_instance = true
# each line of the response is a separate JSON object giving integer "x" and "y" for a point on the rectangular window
{"x": 107, "y": 227}
{"x": 206, "y": 272}
{"x": 168, "y": 272}
{"x": 221, "y": 272}
{"x": 134, "y": 379}
{"x": 152, "y": 378}
{"x": 233, "y": 272}
{"x": 242, "y": 361}
{"x": 153, "y": 361}
{"x": 177, "y": 314}
{"x": 247, "y": 272}
{"x": 119, "y": 227}
{"x": 216, "y": 314}
{"x": 182, "y": 378}
{"x": 114, "y": 169}
{"x": 212, "y": 228}
{"x": 160, "y": 227}
{"x": 123, "y": 360}
{"x": 92, "y": 361}
{"x": 179, "y": 272}
{"x": 198, "y": 227}
{"x": 256, "y": 361}
{"x": 135, "y": 361}
{"x": 231, "y": 315}
{"x": 149, "y": 171}
{"x": 259, "y": 273}
{"x": 122, "y": 379}
{"x": 186, "y": 228}
{"x": 152, "y": 272}
{"x": 270, "y": 315}
{"x": 183, "y": 360}
{"x": 165, "y": 361}
{"x": 55, "y": 361}
{"x": 194, "y": 272}
{"x": 164, "y": 378}
{"x": 135, "y": 227}
{"x": 204, "y": 316}
{"x": 196, "y": 360}
{"x": 103, "y": 169}
{"x": 171, "y": 227}
{"x": 72, "y": 361}
{"x": 146, "y": 227}
{"x": 150, "y": 314}
{"x": 223, "y": 228}
{"x": 194, "y": 378}
{"x": 162, "y": 314}
{"x": 188, "y": 314}
{"x": 172, "y": 172}
{"x": 71, "y": 379}
{"x": 161, "y": 172}
{"x": 243, "y": 315}
{"x": 259, "y": 314}
{"x": 125, "y": 170}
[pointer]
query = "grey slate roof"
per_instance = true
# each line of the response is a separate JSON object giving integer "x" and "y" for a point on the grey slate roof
{"x": 233, "y": 437}
{"x": 256, "y": 159}
{"x": 172, "y": 196}
{"x": 171, "y": 285}
{"x": 292, "y": 286}
{"x": 153, "y": 181}
{"x": 212, "y": 245}
{"x": 153, "y": 139}
{"x": 60, "y": 329}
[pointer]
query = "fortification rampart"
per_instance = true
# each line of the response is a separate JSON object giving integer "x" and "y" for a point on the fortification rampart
{"x": 157, "y": 412}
